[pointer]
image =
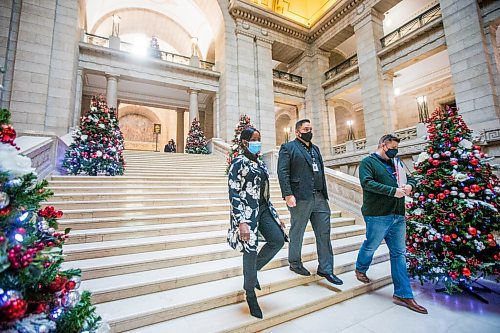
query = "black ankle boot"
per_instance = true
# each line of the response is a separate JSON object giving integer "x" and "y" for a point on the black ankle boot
{"x": 254, "y": 307}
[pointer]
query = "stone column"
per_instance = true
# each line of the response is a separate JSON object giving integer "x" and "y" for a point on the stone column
{"x": 471, "y": 68}
{"x": 392, "y": 117}
{"x": 78, "y": 98}
{"x": 376, "y": 106}
{"x": 312, "y": 66}
{"x": 193, "y": 105}
{"x": 265, "y": 93}
{"x": 180, "y": 130}
{"x": 112, "y": 90}
{"x": 332, "y": 123}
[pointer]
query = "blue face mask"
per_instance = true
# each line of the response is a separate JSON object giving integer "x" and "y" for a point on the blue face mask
{"x": 254, "y": 147}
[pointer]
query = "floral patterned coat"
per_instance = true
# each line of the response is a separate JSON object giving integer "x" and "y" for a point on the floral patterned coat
{"x": 244, "y": 193}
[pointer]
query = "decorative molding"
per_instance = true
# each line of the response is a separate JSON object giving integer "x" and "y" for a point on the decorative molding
{"x": 492, "y": 135}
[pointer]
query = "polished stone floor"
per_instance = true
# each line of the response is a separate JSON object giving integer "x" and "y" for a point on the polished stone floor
{"x": 375, "y": 313}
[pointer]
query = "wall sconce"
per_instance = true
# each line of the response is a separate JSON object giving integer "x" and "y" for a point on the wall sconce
{"x": 287, "y": 133}
{"x": 116, "y": 25}
{"x": 423, "y": 111}
{"x": 350, "y": 130}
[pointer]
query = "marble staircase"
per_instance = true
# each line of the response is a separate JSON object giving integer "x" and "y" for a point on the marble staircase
{"x": 152, "y": 248}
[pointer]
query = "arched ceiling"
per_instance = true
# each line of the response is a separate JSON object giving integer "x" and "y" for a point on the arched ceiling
{"x": 191, "y": 18}
{"x": 305, "y": 12}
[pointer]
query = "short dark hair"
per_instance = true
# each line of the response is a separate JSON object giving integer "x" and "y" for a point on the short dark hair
{"x": 299, "y": 124}
{"x": 247, "y": 133}
{"x": 387, "y": 138}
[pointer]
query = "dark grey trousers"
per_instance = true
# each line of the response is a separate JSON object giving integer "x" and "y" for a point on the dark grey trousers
{"x": 318, "y": 211}
{"x": 253, "y": 261}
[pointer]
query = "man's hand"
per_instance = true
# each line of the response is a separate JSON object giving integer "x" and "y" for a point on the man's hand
{"x": 399, "y": 193}
{"x": 244, "y": 232}
{"x": 290, "y": 201}
{"x": 408, "y": 189}
{"x": 282, "y": 223}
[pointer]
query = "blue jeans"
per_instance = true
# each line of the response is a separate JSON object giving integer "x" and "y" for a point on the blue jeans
{"x": 392, "y": 228}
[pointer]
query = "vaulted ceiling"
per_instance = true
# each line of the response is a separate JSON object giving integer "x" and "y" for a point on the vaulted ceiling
{"x": 305, "y": 12}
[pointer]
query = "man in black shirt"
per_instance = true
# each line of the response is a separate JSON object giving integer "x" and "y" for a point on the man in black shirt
{"x": 303, "y": 186}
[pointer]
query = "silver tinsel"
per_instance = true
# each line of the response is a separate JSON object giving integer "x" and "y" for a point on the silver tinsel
{"x": 4, "y": 200}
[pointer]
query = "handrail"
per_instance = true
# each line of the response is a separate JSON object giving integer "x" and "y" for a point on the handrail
{"x": 287, "y": 76}
{"x": 352, "y": 61}
{"x": 414, "y": 24}
{"x": 152, "y": 52}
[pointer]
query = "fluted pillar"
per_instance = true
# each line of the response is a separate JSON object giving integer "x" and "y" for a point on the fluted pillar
{"x": 193, "y": 105}
{"x": 180, "y": 130}
{"x": 112, "y": 90}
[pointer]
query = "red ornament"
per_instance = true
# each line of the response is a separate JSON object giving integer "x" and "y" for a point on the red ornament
{"x": 466, "y": 189}
{"x": 466, "y": 271}
{"x": 57, "y": 284}
{"x": 453, "y": 162}
{"x": 436, "y": 163}
{"x": 472, "y": 231}
{"x": 475, "y": 188}
{"x": 454, "y": 236}
{"x": 447, "y": 238}
{"x": 431, "y": 195}
{"x": 474, "y": 161}
{"x": 421, "y": 198}
{"x": 70, "y": 285}
{"x": 7, "y": 134}
{"x": 13, "y": 309}
{"x": 441, "y": 196}
{"x": 5, "y": 211}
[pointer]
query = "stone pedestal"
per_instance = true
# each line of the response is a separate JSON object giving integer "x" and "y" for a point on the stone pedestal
{"x": 114, "y": 42}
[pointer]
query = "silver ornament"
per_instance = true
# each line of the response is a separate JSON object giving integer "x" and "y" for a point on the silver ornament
{"x": 462, "y": 195}
{"x": 52, "y": 230}
{"x": 455, "y": 167}
{"x": 477, "y": 155}
{"x": 488, "y": 191}
{"x": 454, "y": 188}
{"x": 4, "y": 200}
{"x": 454, "y": 193}
{"x": 464, "y": 156}
{"x": 435, "y": 156}
{"x": 471, "y": 195}
{"x": 71, "y": 299}
{"x": 43, "y": 329}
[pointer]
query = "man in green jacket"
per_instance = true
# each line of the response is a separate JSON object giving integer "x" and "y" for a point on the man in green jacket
{"x": 384, "y": 214}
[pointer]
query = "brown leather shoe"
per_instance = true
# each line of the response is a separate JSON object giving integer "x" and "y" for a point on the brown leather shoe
{"x": 361, "y": 276}
{"x": 410, "y": 303}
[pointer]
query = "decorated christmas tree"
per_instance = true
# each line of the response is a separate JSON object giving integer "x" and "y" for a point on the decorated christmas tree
{"x": 35, "y": 294}
{"x": 243, "y": 123}
{"x": 98, "y": 143}
{"x": 196, "y": 142}
{"x": 453, "y": 215}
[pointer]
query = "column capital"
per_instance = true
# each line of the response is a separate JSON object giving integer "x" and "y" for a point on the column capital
{"x": 179, "y": 110}
{"x": 365, "y": 16}
{"x": 194, "y": 91}
{"x": 112, "y": 76}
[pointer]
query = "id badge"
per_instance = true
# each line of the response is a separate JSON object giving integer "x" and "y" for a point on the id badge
{"x": 315, "y": 167}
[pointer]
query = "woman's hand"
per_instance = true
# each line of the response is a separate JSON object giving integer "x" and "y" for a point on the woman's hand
{"x": 244, "y": 232}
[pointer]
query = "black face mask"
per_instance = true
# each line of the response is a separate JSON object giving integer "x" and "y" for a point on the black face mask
{"x": 307, "y": 137}
{"x": 391, "y": 153}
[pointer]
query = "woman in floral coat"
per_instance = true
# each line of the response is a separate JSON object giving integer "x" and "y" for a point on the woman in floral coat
{"x": 252, "y": 211}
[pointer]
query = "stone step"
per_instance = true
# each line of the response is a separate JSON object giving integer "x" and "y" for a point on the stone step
{"x": 149, "y": 182}
{"x": 146, "y": 178}
{"x": 193, "y": 195}
{"x": 300, "y": 300}
{"x": 139, "y": 311}
{"x": 129, "y": 263}
{"x": 151, "y": 210}
{"x": 159, "y": 243}
{"x": 107, "y": 234}
{"x": 123, "y": 221}
{"x": 135, "y": 188}
{"x": 135, "y": 284}
{"x": 139, "y": 203}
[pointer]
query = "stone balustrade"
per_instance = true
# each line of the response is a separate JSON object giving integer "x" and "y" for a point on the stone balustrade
{"x": 345, "y": 192}
{"x": 218, "y": 147}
